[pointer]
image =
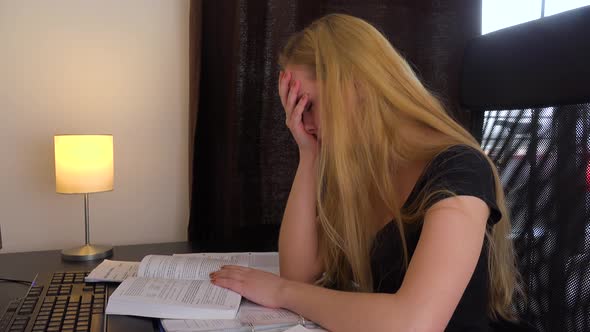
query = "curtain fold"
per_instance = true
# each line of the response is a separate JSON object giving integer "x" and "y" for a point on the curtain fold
{"x": 244, "y": 156}
{"x": 195, "y": 33}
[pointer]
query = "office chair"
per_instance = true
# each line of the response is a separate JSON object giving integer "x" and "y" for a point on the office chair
{"x": 528, "y": 89}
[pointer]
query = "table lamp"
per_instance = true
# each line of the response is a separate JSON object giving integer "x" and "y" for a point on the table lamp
{"x": 83, "y": 165}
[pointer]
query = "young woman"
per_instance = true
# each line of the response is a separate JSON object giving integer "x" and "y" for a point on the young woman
{"x": 396, "y": 220}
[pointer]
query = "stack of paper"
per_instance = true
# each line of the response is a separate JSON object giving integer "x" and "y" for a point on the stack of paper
{"x": 251, "y": 317}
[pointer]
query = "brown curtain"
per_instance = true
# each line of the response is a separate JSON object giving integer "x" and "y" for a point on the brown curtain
{"x": 195, "y": 26}
{"x": 244, "y": 156}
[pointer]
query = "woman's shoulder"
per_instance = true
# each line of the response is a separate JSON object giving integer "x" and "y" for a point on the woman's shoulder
{"x": 460, "y": 160}
{"x": 460, "y": 164}
{"x": 463, "y": 170}
{"x": 460, "y": 152}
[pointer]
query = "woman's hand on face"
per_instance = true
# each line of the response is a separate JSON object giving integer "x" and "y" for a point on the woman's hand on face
{"x": 257, "y": 286}
{"x": 295, "y": 104}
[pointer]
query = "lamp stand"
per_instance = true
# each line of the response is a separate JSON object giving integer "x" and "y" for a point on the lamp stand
{"x": 86, "y": 252}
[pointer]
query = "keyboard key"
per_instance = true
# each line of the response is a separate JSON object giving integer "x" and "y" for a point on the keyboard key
{"x": 49, "y": 299}
{"x": 97, "y": 318}
{"x": 17, "y": 327}
{"x": 86, "y": 298}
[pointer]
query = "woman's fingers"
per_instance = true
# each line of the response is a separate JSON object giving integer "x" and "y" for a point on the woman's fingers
{"x": 292, "y": 96}
{"x": 284, "y": 81}
{"x": 296, "y": 115}
{"x": 227, "y": 273}
{"x": 235, "y": 267}
{"x": 235, "y": 285}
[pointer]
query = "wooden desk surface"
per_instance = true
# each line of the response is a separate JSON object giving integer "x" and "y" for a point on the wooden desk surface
{"x": 26, "y": 265}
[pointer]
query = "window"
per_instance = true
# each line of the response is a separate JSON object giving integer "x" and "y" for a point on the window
{"x": 500, "y": 14}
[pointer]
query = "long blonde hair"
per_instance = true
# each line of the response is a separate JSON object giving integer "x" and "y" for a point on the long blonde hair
{"x": 369, "y": 96}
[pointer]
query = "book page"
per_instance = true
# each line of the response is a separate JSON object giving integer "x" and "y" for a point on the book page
{"x": 250, "y": 317}
{"x": 113, "y": 271}
{"x": 201, "y": 325}
{"x": 255, "y": 314}
{"x": 183, "y": 267}
{"x": 300, "y": 328}
{"x": 266, "y": 261}
{"x": 191, "y": 293}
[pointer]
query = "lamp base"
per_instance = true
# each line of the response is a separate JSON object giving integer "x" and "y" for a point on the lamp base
{"x": 86, "y": 253}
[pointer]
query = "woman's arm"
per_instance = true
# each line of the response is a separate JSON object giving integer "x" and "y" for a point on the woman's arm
{"x": 438, "y": 273}
{"x": 298, "y": 238}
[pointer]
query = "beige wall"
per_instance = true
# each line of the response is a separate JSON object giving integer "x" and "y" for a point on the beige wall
{"x": 108, "y": 66}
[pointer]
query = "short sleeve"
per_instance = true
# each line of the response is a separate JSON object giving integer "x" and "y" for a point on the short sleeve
{"x": 461, "y": 170}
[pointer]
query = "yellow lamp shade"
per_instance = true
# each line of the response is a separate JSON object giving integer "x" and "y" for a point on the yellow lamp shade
{"x": 83, "y": 163}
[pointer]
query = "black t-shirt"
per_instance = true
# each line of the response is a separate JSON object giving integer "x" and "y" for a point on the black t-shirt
{"x": 461, "y": 170}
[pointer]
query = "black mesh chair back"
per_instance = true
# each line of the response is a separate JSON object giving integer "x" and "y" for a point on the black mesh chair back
{"x": 528, "y": 88}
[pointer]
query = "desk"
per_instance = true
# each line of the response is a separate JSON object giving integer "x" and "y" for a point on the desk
{"x": 26, "y": 265}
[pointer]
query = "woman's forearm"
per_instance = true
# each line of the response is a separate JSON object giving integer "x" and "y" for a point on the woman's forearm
{"x": 349, "y": 311}
{"x": 298, "y": 238}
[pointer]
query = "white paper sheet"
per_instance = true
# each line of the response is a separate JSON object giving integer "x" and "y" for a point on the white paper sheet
{"x": 113, "y": 271}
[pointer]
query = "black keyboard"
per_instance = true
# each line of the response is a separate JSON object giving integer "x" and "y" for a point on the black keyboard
{"x": 59, "y": 301}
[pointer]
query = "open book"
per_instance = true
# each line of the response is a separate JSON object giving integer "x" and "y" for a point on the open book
{"x": 266, "y": 261}
{"x": 171, "y": 287}
{"x": 250, "y": 317}
{"x": 117, "y": 271}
